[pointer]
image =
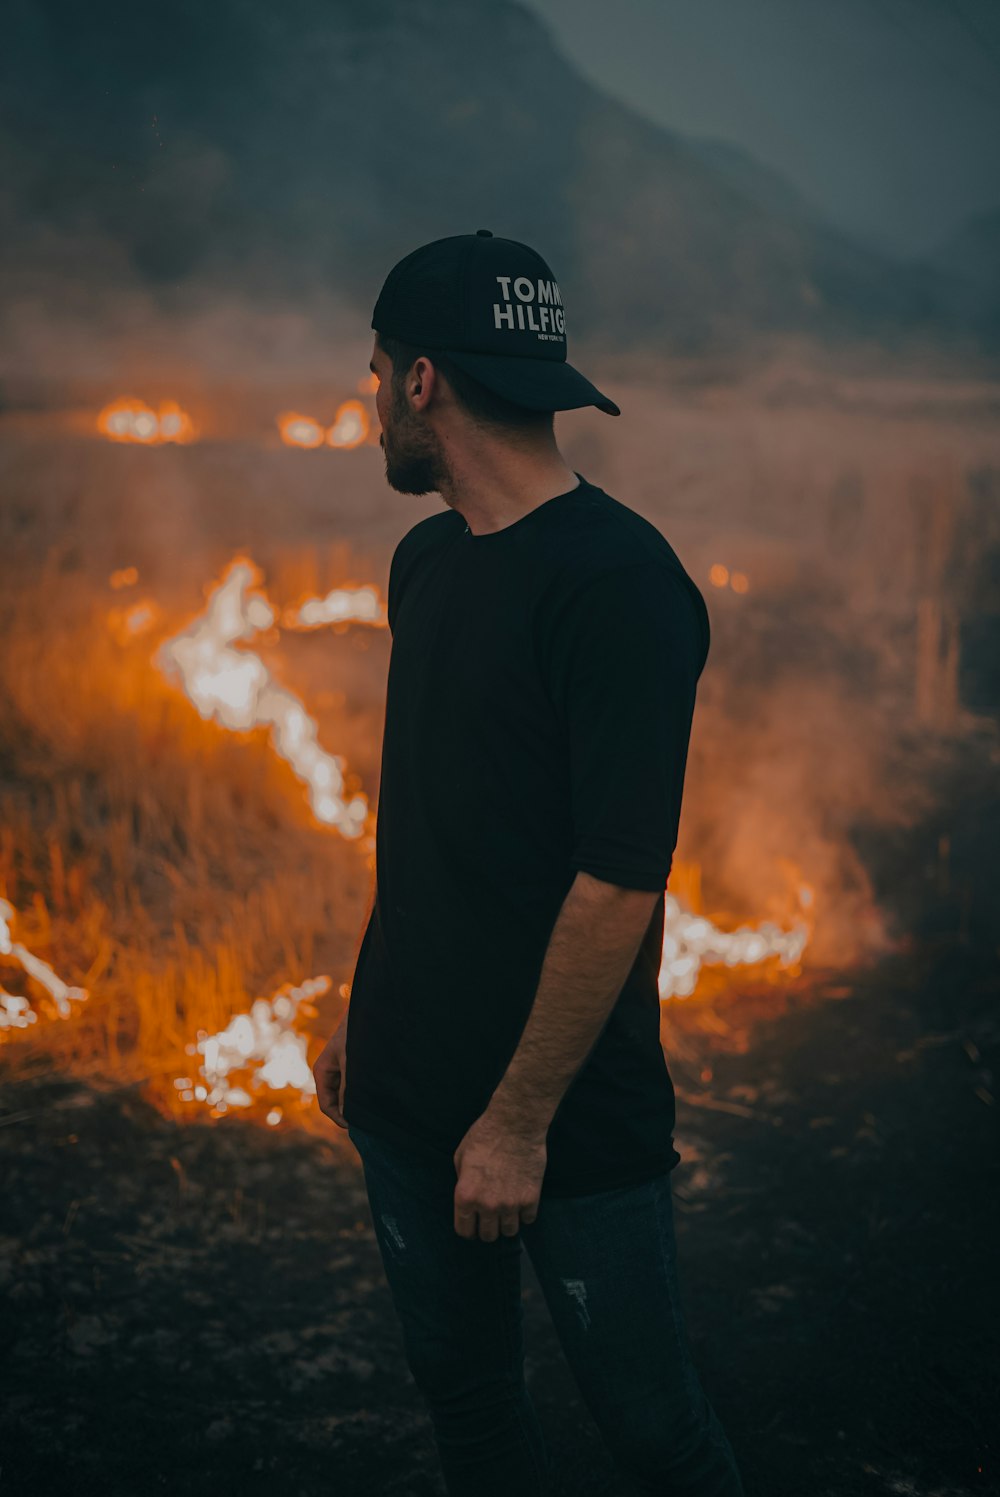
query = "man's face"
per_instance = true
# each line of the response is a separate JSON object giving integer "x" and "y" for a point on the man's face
{"x": 414, "y": 461}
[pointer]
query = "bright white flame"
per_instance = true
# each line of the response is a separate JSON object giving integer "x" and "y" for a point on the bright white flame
{"x": 265, "y": 1042}
{"x": 236, "y": 688}
{"x": 350, "y": 426}
{"x": 300, "y": 431}
{"x": 691, "y": 941}
{"x": 360, "y": 605}
{"x": 133, "y": 421}
{"x": 16, "y": 1011}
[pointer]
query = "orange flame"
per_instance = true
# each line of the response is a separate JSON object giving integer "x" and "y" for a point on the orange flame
{"x": 350, "y": 428}
{"x": 720, "y": 576}
{"x": 128, "y": 420}
{"x": 263, "y": 1042}
{"x": 691, "y": 942}
{"x": 128, "y": 623}
{"x": 356, "y": 605}
{"x": 236, "y": 688}
{"x": 350, "y": 425}
{"x": 300, "y": 431}
{"x": 16, "y": 1011}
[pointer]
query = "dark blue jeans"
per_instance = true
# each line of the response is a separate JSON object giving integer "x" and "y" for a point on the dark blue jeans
{"x": 607, "y": 1266}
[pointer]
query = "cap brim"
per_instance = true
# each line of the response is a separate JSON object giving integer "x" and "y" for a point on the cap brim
{"x": 538, "y": 384}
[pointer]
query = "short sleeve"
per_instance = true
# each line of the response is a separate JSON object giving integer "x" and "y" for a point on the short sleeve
{"x": 626, "y": 652}
{"x": 425, "y": 534}
{"x": 398, "y": 567}
{"x": 392, "y": 590}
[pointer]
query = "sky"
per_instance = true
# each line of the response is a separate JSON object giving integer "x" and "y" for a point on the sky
{"x": 885, "y": 114}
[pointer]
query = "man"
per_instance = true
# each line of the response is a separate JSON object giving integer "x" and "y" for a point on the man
{"x": 506, "y": 1082}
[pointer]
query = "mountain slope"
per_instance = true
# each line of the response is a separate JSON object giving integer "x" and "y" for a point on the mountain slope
{"x": 273, "y": 152}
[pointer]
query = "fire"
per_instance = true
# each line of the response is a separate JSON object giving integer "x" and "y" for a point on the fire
{"x": 300, "y": 431}
{"x": 350, "y": 425}
{"x": 720, "y": 576}
{"x": 247, "y": 1050}
{"x": 129, "y": 420}
{"x": 263, "y": 1042}
{"x": 236, "y": 688}
{"x": 15, "y": 1010}
{"x": 128, "y": 623}
{"x": 691, "y": 942}
{"x": 349, "y": 429}
{"x": 357, "y": 605}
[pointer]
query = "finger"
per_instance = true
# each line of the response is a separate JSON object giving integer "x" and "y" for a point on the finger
{"x": 510, "y": 1223}
{"x": 326, "y": 1083}
{"x": 488, "y": 1226}
{"x": 465, "y": 1222}
{"x": 465, "y": 1212}
{"x": 528, "y": 1214}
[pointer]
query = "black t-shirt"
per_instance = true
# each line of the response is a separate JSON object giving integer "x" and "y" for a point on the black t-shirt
{"x": 538, "y": 710}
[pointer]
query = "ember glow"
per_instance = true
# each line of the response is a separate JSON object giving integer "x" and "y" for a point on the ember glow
{"x": 16, "y": 1011}
{"x": 721, "y": 576}
{"x": 128, "y": 623}
{"x": 133, "y": 421}
{"x": 262, "y": 1047}
{"x": 236, "y": 688}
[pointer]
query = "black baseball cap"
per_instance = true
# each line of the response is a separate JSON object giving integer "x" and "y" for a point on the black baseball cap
{"x": 492, "y": 305}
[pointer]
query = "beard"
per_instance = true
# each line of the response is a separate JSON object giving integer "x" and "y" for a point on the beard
{"x": 414, "y": 458}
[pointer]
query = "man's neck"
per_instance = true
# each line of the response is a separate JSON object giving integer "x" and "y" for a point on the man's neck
{"x": 490, "y": 502}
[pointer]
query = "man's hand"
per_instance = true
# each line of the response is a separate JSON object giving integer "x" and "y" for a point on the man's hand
{"x": 330, "y": 1075}
{"x": 499, "y": 1178}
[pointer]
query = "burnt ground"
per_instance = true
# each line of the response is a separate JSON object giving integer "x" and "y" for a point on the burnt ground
{"x": 201, "y": 1309}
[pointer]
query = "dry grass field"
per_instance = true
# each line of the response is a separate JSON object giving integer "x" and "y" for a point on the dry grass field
{"x": 193, "y": 1293}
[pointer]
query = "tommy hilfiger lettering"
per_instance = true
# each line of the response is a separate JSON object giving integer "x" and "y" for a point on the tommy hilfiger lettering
{"x": 534, "y": 299}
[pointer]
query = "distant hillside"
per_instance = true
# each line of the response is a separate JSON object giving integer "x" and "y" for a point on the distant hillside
{"x": 272, "y": 151}
{"x": 970, "y": 260}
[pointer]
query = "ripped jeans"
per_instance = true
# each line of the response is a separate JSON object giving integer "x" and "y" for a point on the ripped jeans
{"x": 607, "y": 1267}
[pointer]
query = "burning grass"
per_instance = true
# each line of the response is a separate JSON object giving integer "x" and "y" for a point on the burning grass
{"x": 187, "y": 786}
{"x": 167, "y": 861}
{"x": 157, "y": 843}
{"x": 173, "y": 868}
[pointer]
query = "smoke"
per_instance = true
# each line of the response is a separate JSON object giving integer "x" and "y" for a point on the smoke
{"x": 211, "y": 221}
{"x": 124, "y": 334}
